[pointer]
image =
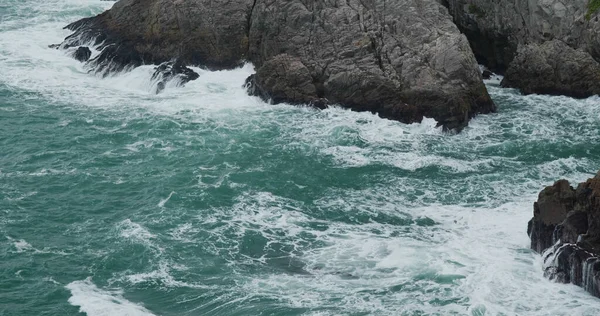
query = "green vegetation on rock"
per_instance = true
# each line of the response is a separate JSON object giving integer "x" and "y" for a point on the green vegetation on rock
{"x": 473, "y": 9}
{"x": 593, "y": 7}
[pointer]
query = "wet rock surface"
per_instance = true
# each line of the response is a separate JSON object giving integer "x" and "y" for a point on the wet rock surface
{"x": 565, "y": 228}
{"x": 171, "y": 70}
{"x": 82, "y": 54}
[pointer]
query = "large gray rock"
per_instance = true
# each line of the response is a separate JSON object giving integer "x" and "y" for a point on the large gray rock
{"x": 553, "y": 68}
{"x": 498, "y": 30}
{"x": 402, "y": 59}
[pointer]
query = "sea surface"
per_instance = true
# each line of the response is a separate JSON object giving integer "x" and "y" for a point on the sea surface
{"x": 203, "y": 200}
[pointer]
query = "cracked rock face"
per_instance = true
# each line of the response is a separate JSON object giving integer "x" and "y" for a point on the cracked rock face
{"x": 402, "y": 59}
{"x": 506, "y": 35}
{"x": 553, "y": 68}
{"x": 565, "y": 228}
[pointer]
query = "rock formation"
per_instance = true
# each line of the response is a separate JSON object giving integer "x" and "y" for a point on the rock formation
{"x": 500, "y": 31}
{"x": 402, "y": 59}
{"x": 553, "y": 68}
{"x": 82, "y": 53}
{"x": 171, "y": 70}
{"x": 565, "y": 228}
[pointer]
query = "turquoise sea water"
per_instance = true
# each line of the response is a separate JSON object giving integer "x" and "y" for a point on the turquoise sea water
{"x": 205, "y": 201}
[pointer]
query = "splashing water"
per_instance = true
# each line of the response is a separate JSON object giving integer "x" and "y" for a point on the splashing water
{"x": 203, "y": 200}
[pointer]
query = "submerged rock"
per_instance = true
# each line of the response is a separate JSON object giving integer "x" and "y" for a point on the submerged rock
{"x": 82, "y": 54}
{"x": 566, "y": 228}
{"x": 486, "y": 74}
{"x": 168, "y": 71}
{"x": 404, "y": 60}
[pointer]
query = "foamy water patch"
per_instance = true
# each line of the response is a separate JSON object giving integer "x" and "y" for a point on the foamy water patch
{"x": 137, "y": 233}
{"x": 94, "y": 301}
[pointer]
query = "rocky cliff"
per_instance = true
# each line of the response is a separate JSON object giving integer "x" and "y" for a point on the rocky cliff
{"x": 512, "y": 37}
{"x": 565, "y": 229}
{"x": 402, "y": 59}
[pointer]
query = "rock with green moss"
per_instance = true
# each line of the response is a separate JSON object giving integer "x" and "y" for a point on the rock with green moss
{"x": 593, "y": 7}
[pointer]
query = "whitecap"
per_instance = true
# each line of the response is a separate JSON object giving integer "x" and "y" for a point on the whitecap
{"x": 94, "y": 301}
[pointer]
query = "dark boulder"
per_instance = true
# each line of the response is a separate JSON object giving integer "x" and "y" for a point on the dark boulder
{"x": 486, "y": 74}
{"x": 553, "y": 68}
{"x": 551, "y": 209}
{"x": 403, "y": 60}
{"x": 566, "y": 228}
{"x": 285, "y": 79}
{"x": 82, "y": 54}
{"x": 172, "y": 70}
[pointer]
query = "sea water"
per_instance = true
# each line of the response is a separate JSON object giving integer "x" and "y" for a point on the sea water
{"x": 203, "y": 200}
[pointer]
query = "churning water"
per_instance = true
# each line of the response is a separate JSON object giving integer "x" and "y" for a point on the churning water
{"x": 203, "y": 200}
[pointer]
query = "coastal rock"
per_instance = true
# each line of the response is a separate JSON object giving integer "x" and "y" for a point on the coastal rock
{"x": 553, "y": 68}
{"x": 82, "y": 54}
{"x": 500, "y": 31}
{"x": 168, "y": 71}
{"x": 285, "y": 79}
{"x": 404, "y": 60}
{"x": 566, "y": 228}
{"x": 196, "y": 32}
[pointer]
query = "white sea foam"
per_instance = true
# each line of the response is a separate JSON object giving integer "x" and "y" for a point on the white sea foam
{"x": 163, "y": 201}
{"x": 137, "y": 233}
{"x": 94, "y": 301}
{"x": 23, "y": 246}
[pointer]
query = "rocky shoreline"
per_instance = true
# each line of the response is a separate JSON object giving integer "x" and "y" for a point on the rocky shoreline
{"x": 404, "y": 60}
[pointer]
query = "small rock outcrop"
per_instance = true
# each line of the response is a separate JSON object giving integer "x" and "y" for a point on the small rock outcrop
{"x": 285, "y": 79}
{"x": 486, "y": 74}
{"x": 553, "y": 68}
{"x": 565, "y": 229}
{"x": 403, "y": 59}
{"x": 171, "y": 70}
{"x": 82, "y": 54}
